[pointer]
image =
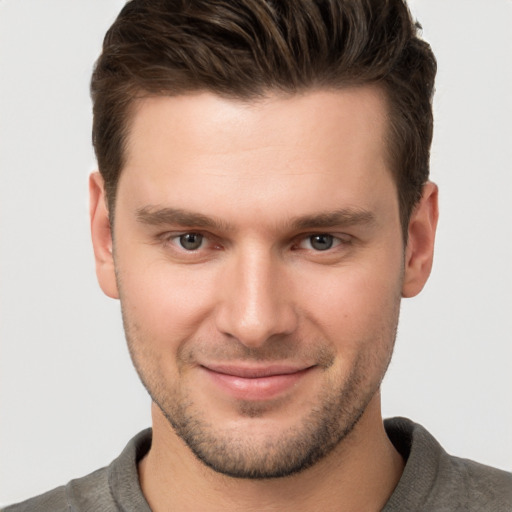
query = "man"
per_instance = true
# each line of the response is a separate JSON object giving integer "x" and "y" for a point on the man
{"x": 262, "y": 205}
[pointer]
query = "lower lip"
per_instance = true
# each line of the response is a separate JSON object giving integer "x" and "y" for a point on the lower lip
{"x": 259, "y": 388}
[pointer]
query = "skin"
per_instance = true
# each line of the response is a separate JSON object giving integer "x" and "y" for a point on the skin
{"x": 257, "y": 181}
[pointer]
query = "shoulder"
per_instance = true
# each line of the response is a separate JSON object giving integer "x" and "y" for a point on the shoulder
{"x": 109, "y": 489}
{"x": 481, "y": 487}
{"x": 54, "y": 501}
{"x": 66, "y": 497}
{"x": 433, "y": 480}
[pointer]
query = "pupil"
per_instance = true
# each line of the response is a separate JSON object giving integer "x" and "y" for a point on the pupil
{"x": 191, "y": 241}
{"x": 321, "y": 242}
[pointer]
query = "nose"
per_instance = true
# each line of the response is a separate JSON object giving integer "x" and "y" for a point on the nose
{"x": 256, "y": 302}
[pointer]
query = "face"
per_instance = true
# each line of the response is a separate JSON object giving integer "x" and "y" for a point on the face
{"x": 259, "y": 262}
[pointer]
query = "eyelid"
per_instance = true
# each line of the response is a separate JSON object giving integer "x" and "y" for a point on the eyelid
{"x": 340, "y": 238}
{"x": 172, "y": 238}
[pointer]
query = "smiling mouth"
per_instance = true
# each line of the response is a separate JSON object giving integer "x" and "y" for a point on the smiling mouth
{"x": 255, "y": 382}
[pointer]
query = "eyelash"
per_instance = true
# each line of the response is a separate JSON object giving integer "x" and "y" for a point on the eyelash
{"x": 338, "y": 240}
{"x": 174, "y": 239}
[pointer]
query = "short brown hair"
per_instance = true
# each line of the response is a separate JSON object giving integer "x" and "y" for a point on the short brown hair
{"x": 246, "y": 48}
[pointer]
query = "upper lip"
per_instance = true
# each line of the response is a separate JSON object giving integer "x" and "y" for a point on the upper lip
{"x": 254, "y": 371}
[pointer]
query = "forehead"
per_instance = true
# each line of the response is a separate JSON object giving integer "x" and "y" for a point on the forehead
{"x": 289, "y": 149}
{"x": 354, "y": 115}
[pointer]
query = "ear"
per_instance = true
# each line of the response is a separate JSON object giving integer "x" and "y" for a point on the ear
{"x": 419, "y": 252}
{"x": 102, "y": 236}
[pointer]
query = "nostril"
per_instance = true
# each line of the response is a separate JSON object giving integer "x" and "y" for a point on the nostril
{"x": 254, "y": 327}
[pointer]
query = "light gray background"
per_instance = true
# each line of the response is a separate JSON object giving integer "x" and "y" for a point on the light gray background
{"x": 69, "y": 399}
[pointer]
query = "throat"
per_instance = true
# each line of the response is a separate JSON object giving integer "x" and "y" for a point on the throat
{"x": 359, "y": 474}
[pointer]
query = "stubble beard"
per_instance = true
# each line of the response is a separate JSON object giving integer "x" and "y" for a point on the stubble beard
{"x": 234, "y": 453}
{"x": 237, "y": 455}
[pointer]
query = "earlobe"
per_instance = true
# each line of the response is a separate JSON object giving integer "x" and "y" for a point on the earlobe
{"x": 102, "y": 236}
{"x": 419, "y": 252}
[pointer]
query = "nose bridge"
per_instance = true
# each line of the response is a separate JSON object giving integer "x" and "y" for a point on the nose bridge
{"x": 255, "y": 301}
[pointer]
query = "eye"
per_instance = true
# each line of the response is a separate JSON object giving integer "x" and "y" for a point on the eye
{"x": 321, "y": 242}
{"x": 191, "y": 241}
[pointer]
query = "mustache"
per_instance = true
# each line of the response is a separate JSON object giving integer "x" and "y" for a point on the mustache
{"x": 316, "y": 353}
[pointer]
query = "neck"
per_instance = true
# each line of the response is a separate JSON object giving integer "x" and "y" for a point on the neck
{"x": 359, "y": 474}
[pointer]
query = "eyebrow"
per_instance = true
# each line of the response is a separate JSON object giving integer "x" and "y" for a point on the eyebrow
{"x": 156, "y": 216}
{"x": 336, "y": 218}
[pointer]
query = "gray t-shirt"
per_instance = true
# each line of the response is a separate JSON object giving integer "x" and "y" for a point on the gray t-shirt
{"x": 432, "y": 481}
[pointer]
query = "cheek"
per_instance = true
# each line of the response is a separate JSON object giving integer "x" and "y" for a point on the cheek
{"x": 166, "y": 300}
{"x": 356, "y": 304}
